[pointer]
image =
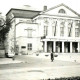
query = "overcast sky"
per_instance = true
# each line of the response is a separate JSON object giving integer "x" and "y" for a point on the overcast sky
{"x": 5, "y": 5}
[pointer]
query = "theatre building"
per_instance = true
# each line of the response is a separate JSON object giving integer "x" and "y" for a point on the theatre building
{"x": 56, "y": 29}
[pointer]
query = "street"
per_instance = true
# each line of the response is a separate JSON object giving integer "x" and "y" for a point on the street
{"x": 38, "y": 68}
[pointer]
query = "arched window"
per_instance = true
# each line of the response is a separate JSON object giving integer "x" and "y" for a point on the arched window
{"x": 61, "y": 11}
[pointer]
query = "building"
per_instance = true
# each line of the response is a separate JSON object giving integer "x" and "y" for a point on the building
{"x": 56, "y": 29}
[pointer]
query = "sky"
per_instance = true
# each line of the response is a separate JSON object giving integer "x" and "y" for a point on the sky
{"x": 6, "y": 5}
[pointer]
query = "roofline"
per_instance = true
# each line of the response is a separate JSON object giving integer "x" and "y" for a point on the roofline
{"x": 8, "y": 12}
{"x": 59, "y": 6}
{"x": 21, "y": 10}
{"x": 60, "y": 16}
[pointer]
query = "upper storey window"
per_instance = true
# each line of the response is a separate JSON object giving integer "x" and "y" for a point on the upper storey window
{"x": 29, "y": 32}
{"x": 62, "y": 11}
{"x": 62, "y": 25}
{"x": 76, "y": 32}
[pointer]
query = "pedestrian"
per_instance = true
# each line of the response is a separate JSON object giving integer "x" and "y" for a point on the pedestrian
{"x": 13, "y": 58}
{"x": 52, "y": 56}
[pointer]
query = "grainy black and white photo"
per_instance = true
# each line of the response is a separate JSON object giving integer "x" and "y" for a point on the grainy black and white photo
{"x": 40, "y": 40}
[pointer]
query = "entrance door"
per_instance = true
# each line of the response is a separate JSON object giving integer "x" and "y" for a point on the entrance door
{"x": 67, "y": 47}
{"x": 75, "y": 47}
{"x": 50, "y": 46}
{"x": 58, "y": 46}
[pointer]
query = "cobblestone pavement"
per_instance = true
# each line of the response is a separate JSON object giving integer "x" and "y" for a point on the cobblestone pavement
{"x": 38, "y": 68}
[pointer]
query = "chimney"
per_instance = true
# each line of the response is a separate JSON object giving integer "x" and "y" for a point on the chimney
{"x": 44, "y": 8}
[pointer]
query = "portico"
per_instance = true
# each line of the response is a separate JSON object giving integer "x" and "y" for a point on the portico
{"x": 61, "y": 46}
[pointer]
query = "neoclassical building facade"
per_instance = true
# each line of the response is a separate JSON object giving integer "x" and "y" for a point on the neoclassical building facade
{"x": 56, "y": 29}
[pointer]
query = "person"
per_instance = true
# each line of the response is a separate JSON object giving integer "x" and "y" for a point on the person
{"x": 52, "y": 56}
{"x": 13, "y": 58}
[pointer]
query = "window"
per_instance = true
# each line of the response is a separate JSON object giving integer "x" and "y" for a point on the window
{"x": 62, "y": 25}
{"x": 69, "y": 32}
{"x": 45, "y": 30}
{"x": 46, "y": 20}
{"x": 29, "y": 46}
{"x": 61, "y": 31}
{"x": 54, "y": 25}
{"x": 70, "y": 26}
{"x": 76, "y": 32}
{"x": 53, "y": 30}
{"x": 23, "y": 46}
{"x": 61, "y": 11}
{"x": 29, "y": 33}
{"x": 77, "y": 23}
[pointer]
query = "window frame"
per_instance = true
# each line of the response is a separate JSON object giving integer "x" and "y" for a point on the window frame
{"x": 29, "y": 46}
{"x": 69, "y": 34}
{"x": 62, "y": 11}
{"x": 61, "y": 31}
{"x": 76, "y": 32}
{"x": 45, "y": 30}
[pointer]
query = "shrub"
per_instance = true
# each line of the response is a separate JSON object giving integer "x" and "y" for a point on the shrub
{"x": 68, "y": 78}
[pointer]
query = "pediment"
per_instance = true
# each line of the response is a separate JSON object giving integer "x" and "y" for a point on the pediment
{"x": 61, "y": 10}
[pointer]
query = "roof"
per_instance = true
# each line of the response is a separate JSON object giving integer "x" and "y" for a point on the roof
{"x": 59, "y": 6}
{"x": 24, "y": 12}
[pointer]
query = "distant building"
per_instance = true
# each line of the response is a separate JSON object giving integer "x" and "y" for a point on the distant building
{"x": 56, "y": 29}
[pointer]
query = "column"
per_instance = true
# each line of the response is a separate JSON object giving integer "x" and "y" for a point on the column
{"x": 78, "y": 47}
{"x": 54, "y": 46}
{"x": 62, "y": 47}
{"x": 70, "y": 47}
{"x": 45, "y": 46}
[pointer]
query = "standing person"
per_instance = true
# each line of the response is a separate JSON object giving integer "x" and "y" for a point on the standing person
{"x": 12, "y": 52}
{"x": 13, "y": 58}
{"x": 52, "y": 56}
